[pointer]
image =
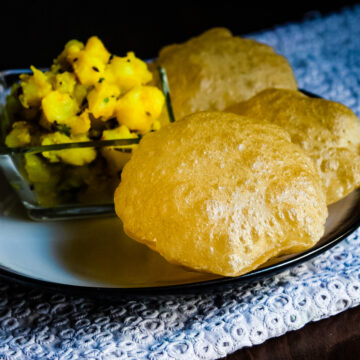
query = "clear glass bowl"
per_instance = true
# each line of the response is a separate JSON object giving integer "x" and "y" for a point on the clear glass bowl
{"x": 49, "y": 199}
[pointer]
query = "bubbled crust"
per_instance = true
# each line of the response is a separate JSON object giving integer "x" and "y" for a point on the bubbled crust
{"x": 215, "y": 70}
{"x": 328, "y": 131}
{"x": 218, "y": 194}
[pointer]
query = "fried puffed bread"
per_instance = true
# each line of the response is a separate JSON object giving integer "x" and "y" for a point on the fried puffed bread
{"x": 215, "y": 70}
{"x": 328, "y": 131}
{"x": 218, "y": 194}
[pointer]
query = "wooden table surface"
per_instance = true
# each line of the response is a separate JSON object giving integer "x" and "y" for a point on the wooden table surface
{"x": 337, "y": 337}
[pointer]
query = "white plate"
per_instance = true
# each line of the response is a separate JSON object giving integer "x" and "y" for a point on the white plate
{"x": 96, "y": 256}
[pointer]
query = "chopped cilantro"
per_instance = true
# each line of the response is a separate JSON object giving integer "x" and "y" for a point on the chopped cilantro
{"x": 64, "y": 129}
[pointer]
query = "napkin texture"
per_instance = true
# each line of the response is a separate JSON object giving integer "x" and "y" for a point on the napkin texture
{"x": 325, "y": 55}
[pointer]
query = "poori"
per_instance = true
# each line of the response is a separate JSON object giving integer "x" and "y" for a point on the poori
{"x": 217, "y": 193}
{"x": 328, "y": 131}
{"x": 215, "y": 70}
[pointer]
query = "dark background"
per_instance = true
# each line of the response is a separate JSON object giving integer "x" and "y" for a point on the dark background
{"x": 34, "y": 32}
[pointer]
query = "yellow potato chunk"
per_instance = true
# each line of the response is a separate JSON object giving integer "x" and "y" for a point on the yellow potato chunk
{"x": 96, "y": 48}
{"x": 34, "y": 87}
{"x": 80, "y": 93}
{"x": 102, "y": 100}
{"x": 121, "y": 132}
{"x": 117, "y": 157}
{"x": 88, "y": 68}
{"x": 37, "y": 170}
{"x": 156, "y": 125}
{"x": 128, "y": 71}
{"x": 217, "y": 193}
{"x": 43, "y": 178}
{"x": 59, "y": 107}
{"x": 78, "y": 157}
{"x": 19, "y": 135}
{"x": 65, "y": 82}
{"x": 70, "y": 52}
{"x": 140, "y": 107}
{"x": 79, "y": 124}
{"x": 328, "y": 131}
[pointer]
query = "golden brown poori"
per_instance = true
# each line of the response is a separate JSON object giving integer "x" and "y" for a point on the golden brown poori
{"x": 328, "y": 131}
{"x": 217, "y": 193}
{"x": 215, "y": 70}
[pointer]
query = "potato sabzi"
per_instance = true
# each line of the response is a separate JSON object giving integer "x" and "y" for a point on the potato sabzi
{"x": 87, "y": 94}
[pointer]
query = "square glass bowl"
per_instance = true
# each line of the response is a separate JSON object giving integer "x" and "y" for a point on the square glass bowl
{"x": 58, "y": 191}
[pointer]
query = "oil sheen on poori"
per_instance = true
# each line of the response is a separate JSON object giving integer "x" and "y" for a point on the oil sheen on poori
{"x": 217, "y": 193}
